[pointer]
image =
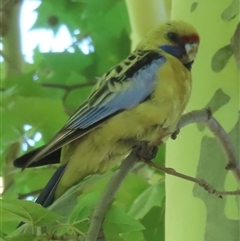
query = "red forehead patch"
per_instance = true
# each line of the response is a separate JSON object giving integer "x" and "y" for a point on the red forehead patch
{"x": 191, "y": 38}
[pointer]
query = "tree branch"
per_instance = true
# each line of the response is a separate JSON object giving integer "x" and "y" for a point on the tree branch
{"x": 201, "y": 182}
{"x": 12, "y": 39}
{"x": 108, "y": 195}
{"x": 68, "y": 89}
{"x": 213, "y": 125}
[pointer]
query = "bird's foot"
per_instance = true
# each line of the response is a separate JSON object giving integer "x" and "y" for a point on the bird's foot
{"x": 145, "y": 151}
{"x": 175, "y": 134}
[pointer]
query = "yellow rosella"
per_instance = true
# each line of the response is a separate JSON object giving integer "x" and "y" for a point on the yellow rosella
{"x": 141, "y": 98}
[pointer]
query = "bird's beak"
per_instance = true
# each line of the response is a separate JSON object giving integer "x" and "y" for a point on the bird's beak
{"x": 191, "y": 51}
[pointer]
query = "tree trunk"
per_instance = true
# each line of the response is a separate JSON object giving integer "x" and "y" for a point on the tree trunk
{"x": 192, "y": 213}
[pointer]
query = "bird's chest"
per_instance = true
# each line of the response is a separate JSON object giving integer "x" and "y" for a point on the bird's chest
{"x": 168, "y": 101}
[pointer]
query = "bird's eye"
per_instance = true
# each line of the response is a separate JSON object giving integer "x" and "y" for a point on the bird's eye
{"x": 173, "y": 37}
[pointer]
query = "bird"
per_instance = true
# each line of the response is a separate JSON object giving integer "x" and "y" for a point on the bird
{"x": 142, "y": 98}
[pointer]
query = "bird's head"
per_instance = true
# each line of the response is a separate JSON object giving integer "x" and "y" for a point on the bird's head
{"x": 177, "y": 38}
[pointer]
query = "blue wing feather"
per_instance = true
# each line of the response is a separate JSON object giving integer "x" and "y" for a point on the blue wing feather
{"x": 141, "y": 85}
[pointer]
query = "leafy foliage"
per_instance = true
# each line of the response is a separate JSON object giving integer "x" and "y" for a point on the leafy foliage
{"x": 69, "y": 215}
{"x": 42, "y": 97}
{"x": 26, "y": 211}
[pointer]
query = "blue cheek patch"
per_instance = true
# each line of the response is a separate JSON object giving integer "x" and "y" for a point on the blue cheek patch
{"x": 176, "y": 51}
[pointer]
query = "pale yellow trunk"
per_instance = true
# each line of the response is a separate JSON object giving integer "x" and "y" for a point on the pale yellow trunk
{"x": 145, "y": 15}
{"x": 192, "y": 215}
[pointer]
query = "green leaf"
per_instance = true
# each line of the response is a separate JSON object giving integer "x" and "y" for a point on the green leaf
{"x": 154, "y": 222}
{"x": 136, "y": 236}
{"x": 132, "y": 186}
{"x": 45, "y": 115}
{"x": 112, "y": 57}
{"x": 118, "y": 11}
{"x": 29, "y": 180}
{"x": 151, "y": 197}
{"x": 8, "y": 227}
{"x": 86, "y": 204}
{"x": 52, "y": 14}
{"x": 99, "y": 22}
{"x": 76, "y": 97}
{"x": 127, "y": 223}
{"x": 193, "y": 6}
{"x": 24, "y": 85}
{"x": 26, "y": 211}
{"x": 2, "y": 239}
{"x": 28, "y": 237}
{"x": 130, "y": 189}
{"x": 231, "y": 11}
{"x": 221, "y": 57}
{"x": 67, "y": 202}
{"x": 64, "y": 63}
{"x": 118, "y": 222}
{"x": 100, "y": 17}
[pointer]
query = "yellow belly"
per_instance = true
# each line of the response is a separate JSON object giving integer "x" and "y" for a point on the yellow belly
{"x": 101, "y": 149}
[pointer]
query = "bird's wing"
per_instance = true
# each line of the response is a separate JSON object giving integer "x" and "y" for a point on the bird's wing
{"x": 123, "y": 87}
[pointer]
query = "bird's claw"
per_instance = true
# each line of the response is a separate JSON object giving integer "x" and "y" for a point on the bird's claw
{"x": 175, "y": 134}
{"x": 144, "y": 151}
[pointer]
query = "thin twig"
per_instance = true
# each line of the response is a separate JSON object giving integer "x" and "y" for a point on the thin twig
{"x": 69, "y": 87}
{"x": 202, "y": 183}
{"x": 108, "y": 195}
{"x": 213, "y": 125}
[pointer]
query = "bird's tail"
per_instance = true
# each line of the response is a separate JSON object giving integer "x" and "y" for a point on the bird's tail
{"x": 46, "y": 197}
